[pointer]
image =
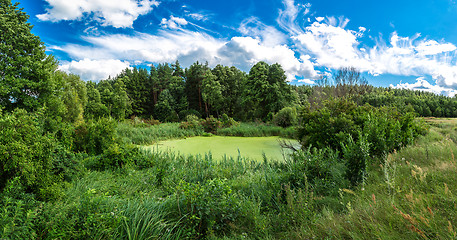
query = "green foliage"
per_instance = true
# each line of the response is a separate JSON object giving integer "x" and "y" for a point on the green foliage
{"x": 320, "y": 169}
{"x": 164, "y": 108}
{"x": 19, "y": 212}
{"x": 339, "y": 119}
{"x": 266, "y": 90}
{"x": 255, "y": 130}
{"x": 95, "y": 136}
{"x": 192, "y": 122}
{"x": 25, "y": 69}
{"x": 115, "y": 157}
{"x": 88, "y": 215}
{"x": 26, "y": 152}
{"x": 228, "y": 121}
{"x": 286, "y": 117}
{"x": 357, "y": 157}
{"x": 67, "y": 164}
{"x": 211, "y": 92}
{"x": 94, "y": 108}
{"x": 207, "y": 208}
{"x": 150, "y": 134}
{"x": 211, "y": 124}
{"x": 146, "y": 220}
{"x": 184, "y": 113}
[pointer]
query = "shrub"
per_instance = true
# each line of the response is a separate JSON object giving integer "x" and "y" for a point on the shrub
{"x": 172, "y": 117}
{"x": 356, "y": 155}
{"x": 116, "y": 156}
{"x": 19, "y": 212}
{"x": 184, "y": 113}
{"x": 207, "y": 208}
{"x": 385, "y": 129}
{"x": 285, "y": 117}
{"x": 192, "y": 122}
{"x": 321, "y": 168}
{"x": 211, "y": 124}
{"x": 94, "y": 136}
{"x": 228, "y": 121}
{"x": 139, "y": 122}
{"x": 25, "y": 152}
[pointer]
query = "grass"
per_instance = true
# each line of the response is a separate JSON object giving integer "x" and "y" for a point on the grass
{"x": 146, "y": 134}
{"x": 409, "y": 194}
{"x": 256, "y": 130}
{"x": 150, "y": 134}
{"x": 412, "y": 195}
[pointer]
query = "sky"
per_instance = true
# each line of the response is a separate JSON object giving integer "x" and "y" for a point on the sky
{"x": 402, "y": 44}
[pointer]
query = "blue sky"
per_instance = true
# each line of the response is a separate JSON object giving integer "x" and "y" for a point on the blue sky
{"x": 406, "y": 44}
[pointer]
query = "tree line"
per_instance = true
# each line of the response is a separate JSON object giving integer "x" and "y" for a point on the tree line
{"x": 168, "y": 92}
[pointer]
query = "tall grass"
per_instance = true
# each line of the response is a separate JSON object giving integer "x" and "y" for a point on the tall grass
{"x": 257, "y": 130}
{"x": 408, "y": 194}
{"x": 412, "y": 195}
{"x": 146, "y": 220}
{"x": 146, "y": 135}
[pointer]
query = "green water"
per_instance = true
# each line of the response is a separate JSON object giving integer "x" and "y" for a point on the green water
{"x": 249, "y": 147}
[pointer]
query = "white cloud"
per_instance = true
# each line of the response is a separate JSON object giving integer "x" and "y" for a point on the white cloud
{"x": 432, "y": 47}
{"x": 94, "y": 70}
{"x": 116, "y": 13}
{"x": 335, "y": 47}
{"x": 422, "y": 85}
{"x": 173, "y": 22}
{"x": 198, "y": 16}
{"x": 244, "y": 52}
{"x": 340, "y": 22}
{"x": 269, "y": 35}
{"x": 331, "y": 46}
{"x": 188, "y": 47}
{"x": 288, "y": 18}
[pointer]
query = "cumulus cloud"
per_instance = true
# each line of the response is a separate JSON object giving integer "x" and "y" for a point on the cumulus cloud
{"x": 333, "y": 46}
{"x": 188, "y": 47}
{"x": 173, "y": 22}
{"x": 432, "y": 47}
{"x": 94, "y": 70}
{"x": 244, "y": 52}
{"x": 423, "y": 85}
{"x": 116, "y": 13}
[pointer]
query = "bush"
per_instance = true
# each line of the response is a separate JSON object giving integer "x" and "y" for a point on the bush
{"x": 116, "y": 156}
{"x": 228, "y": 121}
{"x": 211, "y": 125}
{"x": 26, "y": 152}
{"x": 139, "y": 122}
{"x": 322, "y": 169}
{"x": 385, "y": 129}
{"x": 192, "y": 122}
{"x": 356, "y": 155}
{"x": 208, "y": 208}
{"x": 94, "y": 136}
{"x": 19, "y": 212}
{"x": 285, "y": 117}
{"x": 184, "y": 113}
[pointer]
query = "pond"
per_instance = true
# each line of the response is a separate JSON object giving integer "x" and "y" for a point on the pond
{"x": 248, "y": 147}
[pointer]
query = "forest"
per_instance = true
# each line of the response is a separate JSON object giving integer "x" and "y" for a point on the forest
{"x": 372, "y": 162}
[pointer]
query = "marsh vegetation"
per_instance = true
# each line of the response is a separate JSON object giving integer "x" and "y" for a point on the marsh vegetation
{"x": 73, "y": 163}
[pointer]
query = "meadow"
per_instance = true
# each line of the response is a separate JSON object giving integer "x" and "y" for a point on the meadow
{"x": 74, "y": 163}
{"x": 410, "y": 193}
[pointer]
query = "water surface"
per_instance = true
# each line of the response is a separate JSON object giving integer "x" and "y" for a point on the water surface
{"x": 249, "y": 147}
